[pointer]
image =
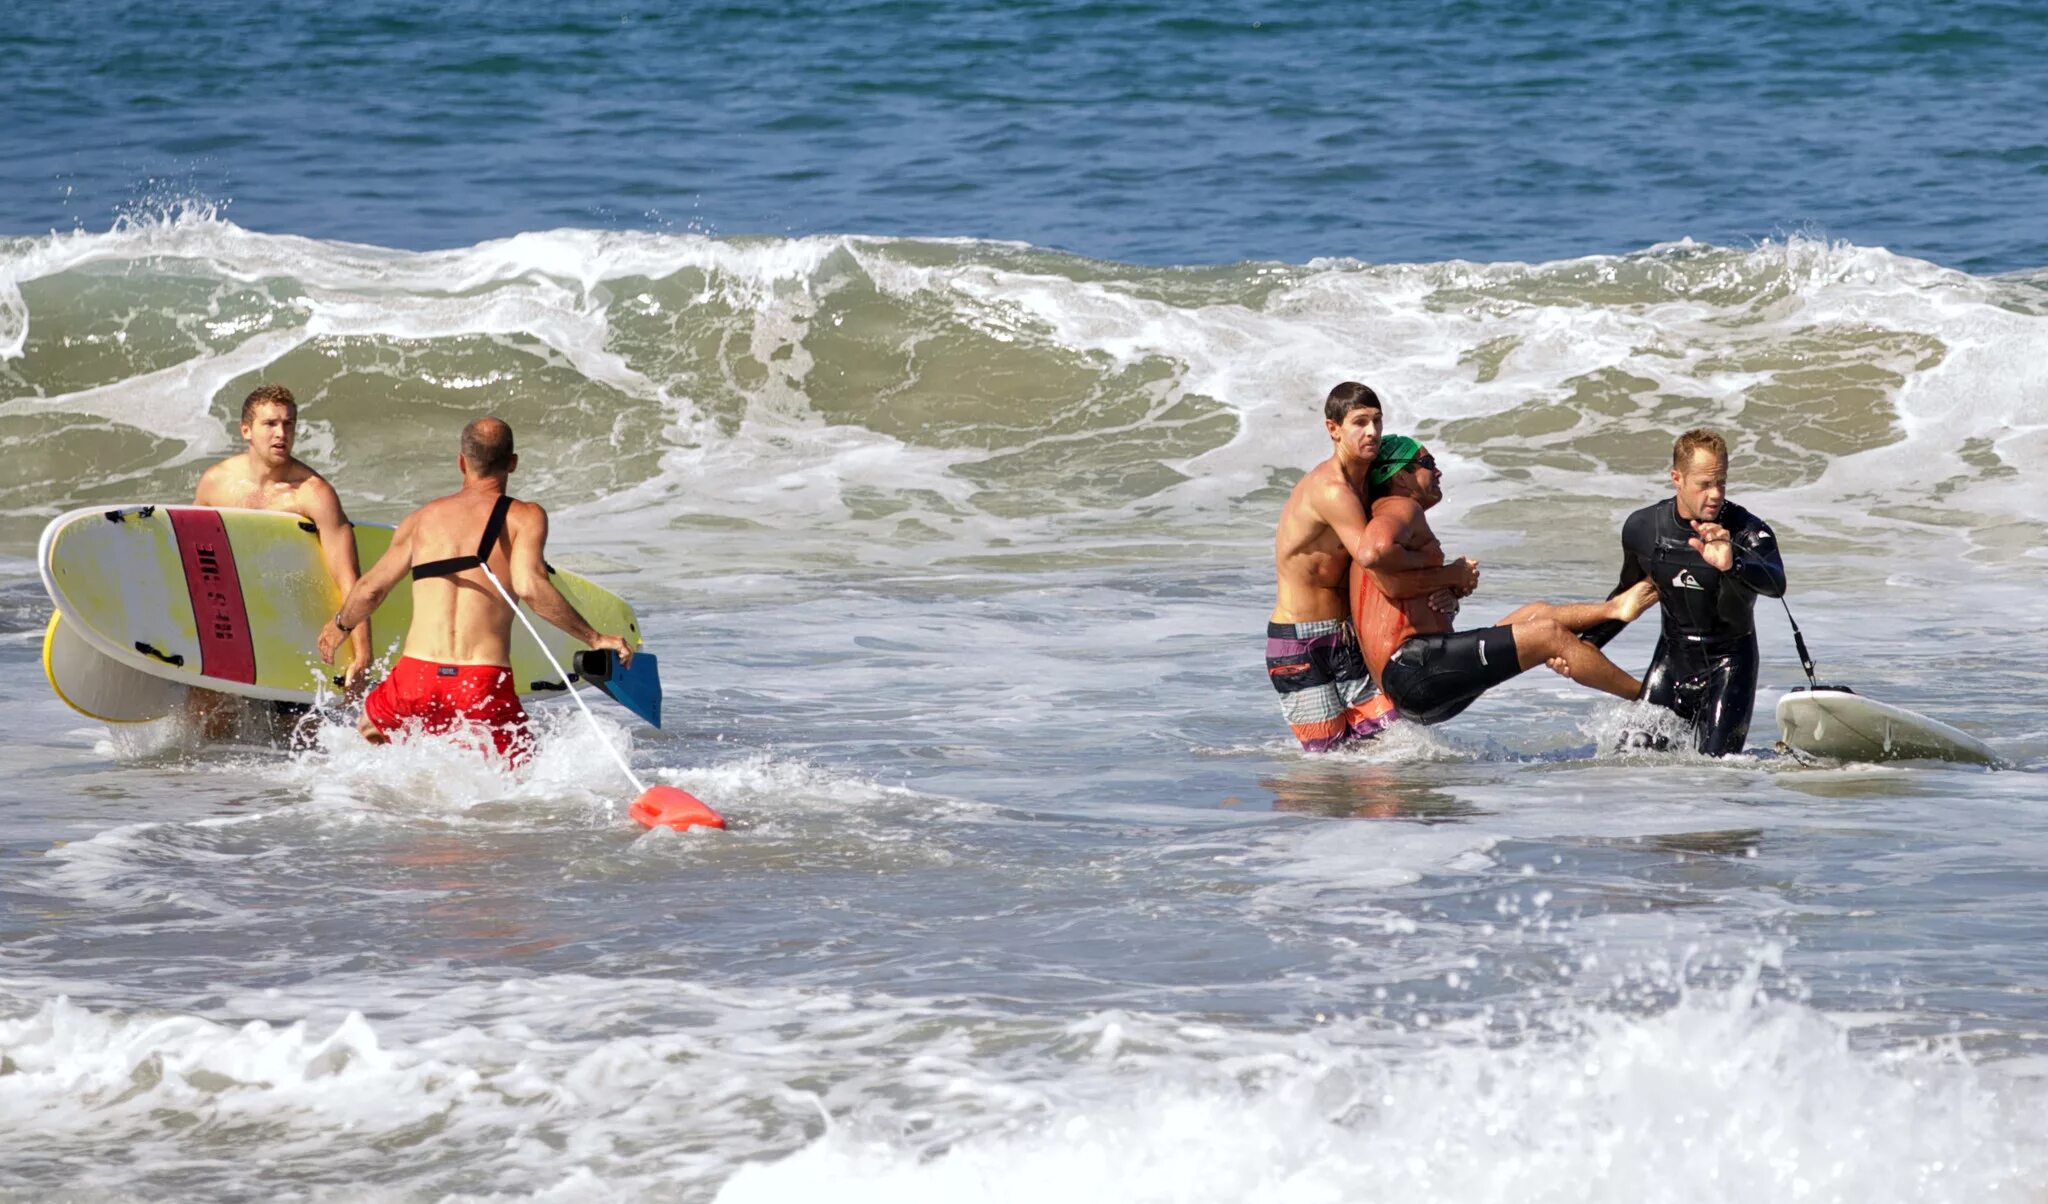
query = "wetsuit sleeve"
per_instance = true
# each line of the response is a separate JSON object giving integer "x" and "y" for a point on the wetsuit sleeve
{"x": 1758, "y": 567}
{"x": 1632, "y": 571}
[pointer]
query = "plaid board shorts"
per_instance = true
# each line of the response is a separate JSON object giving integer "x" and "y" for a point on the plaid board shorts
{"x": 1326, "y": 694}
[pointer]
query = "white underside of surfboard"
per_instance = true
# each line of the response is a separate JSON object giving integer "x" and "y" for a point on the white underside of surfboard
{"x": 1850, "y": 727}
{"x": 100, "y": 687}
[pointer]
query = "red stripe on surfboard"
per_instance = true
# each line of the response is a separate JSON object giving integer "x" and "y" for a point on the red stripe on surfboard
{"x": 216, "y": 588}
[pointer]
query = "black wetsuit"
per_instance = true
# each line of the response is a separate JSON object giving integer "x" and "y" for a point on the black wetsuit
{"x": 1704, "y": 667}
{"x": 1431, "y": 678}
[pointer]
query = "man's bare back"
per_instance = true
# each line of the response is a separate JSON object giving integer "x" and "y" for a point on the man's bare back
{"x": 460, "y": 619}
{"x": 458, "y": 651}
{"x": 1401, "y": 605}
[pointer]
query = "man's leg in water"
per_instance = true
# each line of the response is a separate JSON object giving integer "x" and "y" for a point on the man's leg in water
{"x": 1543, "y": 631}
{"x": 1722, "y": 725}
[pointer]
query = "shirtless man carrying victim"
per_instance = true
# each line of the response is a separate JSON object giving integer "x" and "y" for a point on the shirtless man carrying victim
{"x": 456, "y": 667}
{"x": 268, "y": 477}
{"x": 1429, "y": 671}
{"x": 1312, "y": 655}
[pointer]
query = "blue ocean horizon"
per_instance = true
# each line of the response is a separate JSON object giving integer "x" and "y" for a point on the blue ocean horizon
{"x": 1149, "y": 133}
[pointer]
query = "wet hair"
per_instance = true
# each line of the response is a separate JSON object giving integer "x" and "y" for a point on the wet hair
{"x": 1347, "y": 397}
{"x": 487, "y": 445}
{"x": 269, "y": 395}
{"x": 1697, "y": 440}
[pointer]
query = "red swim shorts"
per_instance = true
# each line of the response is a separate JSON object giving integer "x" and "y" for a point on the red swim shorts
{"x": 438, "y": 698}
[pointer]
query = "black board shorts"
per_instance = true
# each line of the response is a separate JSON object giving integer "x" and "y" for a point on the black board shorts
{"x": 1433, "y": 677}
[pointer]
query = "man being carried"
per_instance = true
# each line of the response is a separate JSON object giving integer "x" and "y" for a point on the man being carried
{"x": 1312, "y": 654}
{"x": 456, "y": 667}
{"x": 1709, "y": 559}
{"x": 1429, "y": 671}
{"x": 268, "y": 477}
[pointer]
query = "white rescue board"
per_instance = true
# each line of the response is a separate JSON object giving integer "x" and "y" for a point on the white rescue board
{"x": 1849, "y": 727}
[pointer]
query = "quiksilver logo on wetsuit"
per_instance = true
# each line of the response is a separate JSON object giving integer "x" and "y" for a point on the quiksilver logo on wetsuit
{"x": 1683, "y": 580}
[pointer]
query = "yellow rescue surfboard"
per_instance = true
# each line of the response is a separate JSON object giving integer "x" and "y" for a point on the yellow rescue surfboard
{"x": 234, "y": 600}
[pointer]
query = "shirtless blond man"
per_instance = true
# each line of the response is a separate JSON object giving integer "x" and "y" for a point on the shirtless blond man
{"x": 456, "y": 667}
{"x": 268, "y": 477}
{"x": 1429, "y": 671}
{"x": 1312, "y": 652}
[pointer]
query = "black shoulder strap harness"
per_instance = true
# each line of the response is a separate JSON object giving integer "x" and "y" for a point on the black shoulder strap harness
{"x": 455, "y": 564}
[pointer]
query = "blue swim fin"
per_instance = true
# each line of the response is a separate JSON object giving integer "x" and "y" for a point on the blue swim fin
{"x": 636, "y": 687}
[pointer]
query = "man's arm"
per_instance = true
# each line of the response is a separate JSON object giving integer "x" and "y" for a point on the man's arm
{"x": 371, "y": 588}
{"x": 1388, "y": 532}
{"x": 338, "y": 549}
{"x": 1748, "y": 554}
{"x": 1460, "y": 576}
{"x": 202, "y": 495}
{"x": 531, "y": 583}
{"x": 1337, "y": 505}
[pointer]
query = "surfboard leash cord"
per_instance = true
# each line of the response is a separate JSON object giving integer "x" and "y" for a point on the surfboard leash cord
{"x": 1799, "y": 642}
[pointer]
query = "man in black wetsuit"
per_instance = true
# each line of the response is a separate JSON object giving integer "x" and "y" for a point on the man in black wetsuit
{"x": 1710, "y": 559}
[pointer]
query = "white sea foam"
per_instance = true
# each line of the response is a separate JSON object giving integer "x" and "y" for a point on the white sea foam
{"x": 779, "y": 1094}
{"x": 137, "y": 867}
{"x": 1663, "y": 318}
{"x": 74, "y": 1070}
{"x": 1310, "y": 866}
{"x": 1715, "y": 1100}
{"x": 450, "y": 775}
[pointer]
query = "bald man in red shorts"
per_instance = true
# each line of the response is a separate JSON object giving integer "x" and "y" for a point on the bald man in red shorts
{"x": 456, "y": 668}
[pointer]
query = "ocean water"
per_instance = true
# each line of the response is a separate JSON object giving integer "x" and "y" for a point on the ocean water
{"x": 930, "y": 378}
{"x": 1149, "y": 132}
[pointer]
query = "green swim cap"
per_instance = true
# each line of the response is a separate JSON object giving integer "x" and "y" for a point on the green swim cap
{"x": 1394, "y": 455}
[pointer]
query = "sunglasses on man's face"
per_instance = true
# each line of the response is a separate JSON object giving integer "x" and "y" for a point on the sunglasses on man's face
{"x": 1428, "y": 462}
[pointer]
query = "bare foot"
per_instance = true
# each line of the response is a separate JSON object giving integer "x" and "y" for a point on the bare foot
{"x": 1640, "y": 597}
